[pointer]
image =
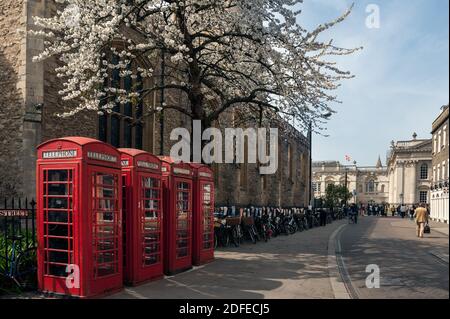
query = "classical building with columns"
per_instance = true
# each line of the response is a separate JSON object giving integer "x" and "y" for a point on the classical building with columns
{"x": 369, "y": 184}
{"x": 439, "y": 188}
{"x": 410, "y": 171}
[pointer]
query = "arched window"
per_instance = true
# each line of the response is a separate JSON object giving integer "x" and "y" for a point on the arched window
{"x": 370, "y": 186}
{"x": 424, "y": 172}
{"x": 123, "y": 127}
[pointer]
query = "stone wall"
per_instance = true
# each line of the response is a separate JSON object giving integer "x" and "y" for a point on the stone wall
{"x": 12, "y": 108}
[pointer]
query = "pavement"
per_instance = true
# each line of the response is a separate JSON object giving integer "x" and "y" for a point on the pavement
{"x": 322, "y": 263}
{"x": 293, "y": 266}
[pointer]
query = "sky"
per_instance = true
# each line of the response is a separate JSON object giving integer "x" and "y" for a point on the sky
{"x": 402, "y": 75}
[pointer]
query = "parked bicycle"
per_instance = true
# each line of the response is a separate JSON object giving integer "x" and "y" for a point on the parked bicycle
{"x": 20, "y": 266}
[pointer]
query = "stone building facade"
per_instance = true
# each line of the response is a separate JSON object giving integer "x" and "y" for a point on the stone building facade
{"x": 410, "y": 171}
{"x": 29, "y": 104}
{"x": 439, "y": 206}
{"x": 369, "y": 184}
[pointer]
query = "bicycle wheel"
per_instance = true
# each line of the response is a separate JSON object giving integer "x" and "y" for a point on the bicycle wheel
{"x": 256, "y": 233}
{"x": 26, "y": 269}
{"x": 251, "y": 235}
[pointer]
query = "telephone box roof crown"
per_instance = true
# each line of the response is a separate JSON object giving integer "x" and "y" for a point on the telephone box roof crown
{"x": 74, "y": 139}
{"x": 132, "y": 151}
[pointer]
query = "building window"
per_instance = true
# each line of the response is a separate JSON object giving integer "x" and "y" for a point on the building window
{"x": 444, "y": 137}
{"x": 435, "y": 144}
{"x": 434, "y": 173}
{"x": 123, "y": 126}
{"x": 370, "y": 187}
{"x": 314, "y": 186}
{"x": 383, "y": 188}
{"x": 439, "y": 141}
{"x": 443, "y": 170}
{"x": 423, "y": 196}
{"x": 424, "y": 172}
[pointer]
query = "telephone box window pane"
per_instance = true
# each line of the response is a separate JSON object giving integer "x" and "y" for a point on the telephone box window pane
{"x": 105, "y": 244}
{"x": 58, "y": 189}
{"x": 151, "y": 204}
{"x": 57, "y": 176}
{"x": 106, "y": 270}
{"x": 105, "y": 218}
{"x": 151, "y": 193}
{"x": 58, "y": 257}
{"x": 59, "y": 217}
{"x": 104, "y": 231}
{"x": 59, "y": 243}
{"x": 57, "y": 230}
{"x": 58, "y": 203}
{"x": 105, "y": 179}
{"x": 151, "y": 183}
{"x": 57, "y": 270}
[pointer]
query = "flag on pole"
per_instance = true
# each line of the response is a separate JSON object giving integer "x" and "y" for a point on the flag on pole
{"x": 348, "y": 158}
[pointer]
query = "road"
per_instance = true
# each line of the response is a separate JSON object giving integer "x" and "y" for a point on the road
{"x": 410, "y": 268}
{"x": 324, "y": 263}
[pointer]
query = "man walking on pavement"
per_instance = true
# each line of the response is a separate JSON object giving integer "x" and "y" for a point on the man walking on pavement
{"x": 421, "y": 215}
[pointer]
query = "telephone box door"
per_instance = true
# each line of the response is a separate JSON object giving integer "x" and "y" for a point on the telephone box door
{"x": 57, "y": 223}
{"x": 150, "y": 238}
{"x": 183, "y": 223}
{"x": 205, "y": 235}
{"x": 106, "y": 228}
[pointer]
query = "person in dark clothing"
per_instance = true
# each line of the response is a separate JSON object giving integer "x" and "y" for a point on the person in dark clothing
{"x": 354, "y": 212}
{"x": 323, "y": 217}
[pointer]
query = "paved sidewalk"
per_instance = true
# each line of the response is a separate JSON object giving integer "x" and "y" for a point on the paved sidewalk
{"x": 293, "y": 266}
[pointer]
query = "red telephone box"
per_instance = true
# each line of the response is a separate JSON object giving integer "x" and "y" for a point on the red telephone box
{"x": 203, "y": 215}
{"x": 79, "y": 217}
{"x": 142, "y": 216}
{"x": 177, "y": 184}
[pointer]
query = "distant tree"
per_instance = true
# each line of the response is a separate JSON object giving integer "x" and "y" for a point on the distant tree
{"x": 336, "y": 195}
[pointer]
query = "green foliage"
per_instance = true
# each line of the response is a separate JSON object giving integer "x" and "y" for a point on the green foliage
{"x": 336, "y": 195}
{"x": 7, "y": 286}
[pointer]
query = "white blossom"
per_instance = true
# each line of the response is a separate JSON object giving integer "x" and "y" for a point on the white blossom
{"x": 232, "y": 53}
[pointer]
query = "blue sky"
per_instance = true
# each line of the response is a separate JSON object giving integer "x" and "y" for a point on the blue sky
{"x": 402, "y": 75}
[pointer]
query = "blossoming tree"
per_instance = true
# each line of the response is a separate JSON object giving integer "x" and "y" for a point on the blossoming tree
{"x": 219, "y": 54}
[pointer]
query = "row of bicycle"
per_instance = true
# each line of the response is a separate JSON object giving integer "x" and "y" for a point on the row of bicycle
{"x": 236, "y": 225}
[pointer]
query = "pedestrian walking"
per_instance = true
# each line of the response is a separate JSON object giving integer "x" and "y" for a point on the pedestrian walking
{"x": 412, "y": 209}
{"x": 421, "y": 215}
{"x": 403, "y": 211}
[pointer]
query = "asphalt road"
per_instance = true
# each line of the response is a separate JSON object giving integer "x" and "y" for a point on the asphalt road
{"x": 410, "y": 268}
